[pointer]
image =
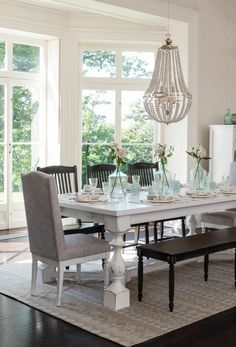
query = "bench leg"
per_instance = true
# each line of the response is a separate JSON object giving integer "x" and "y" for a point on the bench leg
{"x": 183, "y": 226}
{"x": 140, "y": 277}
{"x": 171, "y": 286}
{"x": 235, "y": 267}
{"x": 206, "y": 263}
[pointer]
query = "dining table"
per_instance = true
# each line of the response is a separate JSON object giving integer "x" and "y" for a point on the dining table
{"x": 119, "y": 215}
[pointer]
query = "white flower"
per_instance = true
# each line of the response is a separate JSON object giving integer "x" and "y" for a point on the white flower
{"x": 202, "y": 152}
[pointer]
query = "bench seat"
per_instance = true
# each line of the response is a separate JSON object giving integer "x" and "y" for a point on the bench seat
{"x": 184, "y": 248}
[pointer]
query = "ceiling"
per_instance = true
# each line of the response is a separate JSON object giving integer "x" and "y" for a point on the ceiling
{"x": 98, "y": 7}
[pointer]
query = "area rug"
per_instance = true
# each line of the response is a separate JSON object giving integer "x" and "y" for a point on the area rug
{"x": 82, "y": 303}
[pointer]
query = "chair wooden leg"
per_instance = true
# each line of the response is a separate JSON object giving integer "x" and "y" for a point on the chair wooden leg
{"x": 34, "y": 276}
{"x": 146, "y": 233}
{"x": 106, "y": 272}
{"x": 60, "y": 284}
{"x": 162, "y": 229}
{"x": 155, "y": 232}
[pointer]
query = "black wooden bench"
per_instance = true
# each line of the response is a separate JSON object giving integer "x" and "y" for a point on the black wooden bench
{"x": 184, "y": 248}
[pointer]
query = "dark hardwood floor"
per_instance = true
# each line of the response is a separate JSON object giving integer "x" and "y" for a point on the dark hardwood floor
{"x": 23, "y": 326}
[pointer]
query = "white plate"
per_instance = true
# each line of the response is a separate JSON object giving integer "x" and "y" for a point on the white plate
{"x": 88, "y": 200}
{"x": 201, "y": 196}
{"x": 158, "y": 201}
{"x": 225, "y": 192}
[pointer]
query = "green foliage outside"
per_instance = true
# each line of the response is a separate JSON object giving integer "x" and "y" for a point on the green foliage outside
{"x": 25, "y": 108}
{"x": 137, "y": 139}
{"x": 97, "y": 134}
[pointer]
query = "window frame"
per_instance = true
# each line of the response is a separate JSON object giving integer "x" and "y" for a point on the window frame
{"x": 116, "y": 84}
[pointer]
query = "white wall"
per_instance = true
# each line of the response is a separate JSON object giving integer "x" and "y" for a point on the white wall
{"x": 216, "y": 64}
{"x": 212, "y": 68}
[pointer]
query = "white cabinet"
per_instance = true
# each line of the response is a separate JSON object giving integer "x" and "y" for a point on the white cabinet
{"x": 222, "y": 150}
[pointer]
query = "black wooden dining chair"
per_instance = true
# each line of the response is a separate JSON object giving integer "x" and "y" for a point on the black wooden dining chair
{"x": 146, "y": 172}
{"x": 101, "y": 172}
{"x": 67, "y": 182}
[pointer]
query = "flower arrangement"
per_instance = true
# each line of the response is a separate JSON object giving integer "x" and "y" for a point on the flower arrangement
{"x": 199, "y": 153}
{"x": 163, "y": 153}
{"x": 117, "y": 154}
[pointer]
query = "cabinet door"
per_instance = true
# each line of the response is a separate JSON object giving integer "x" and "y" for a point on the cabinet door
{"x": 222, "y": 143}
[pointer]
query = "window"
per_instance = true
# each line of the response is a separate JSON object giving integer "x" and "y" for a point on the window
{"x": 113, "y": 82}
{"x": 22, "y": 118}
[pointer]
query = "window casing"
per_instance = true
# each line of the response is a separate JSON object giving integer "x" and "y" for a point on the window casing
{"x": 113, "y": 81}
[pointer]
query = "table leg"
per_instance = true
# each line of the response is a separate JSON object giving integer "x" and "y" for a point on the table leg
{"x": 140, "y": 277}
{"x": 171, "y": 286}
{"x": 116, "y": 296}
{"x": 206, "y": 262}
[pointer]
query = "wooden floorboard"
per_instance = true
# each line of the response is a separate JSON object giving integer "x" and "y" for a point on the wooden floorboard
{"x": 24, "y": 326}
{"x": 218, "y": 330}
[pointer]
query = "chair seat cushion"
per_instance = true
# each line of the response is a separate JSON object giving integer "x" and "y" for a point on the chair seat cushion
{"x": 227, "y": 218}
{"x": 80, "y": 245}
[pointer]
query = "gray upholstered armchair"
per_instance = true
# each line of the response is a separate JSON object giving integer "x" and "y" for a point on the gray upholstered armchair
{"x": 48, "y": 243}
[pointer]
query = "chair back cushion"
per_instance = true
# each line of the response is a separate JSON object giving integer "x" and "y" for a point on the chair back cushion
{"x": 43, "y": 217}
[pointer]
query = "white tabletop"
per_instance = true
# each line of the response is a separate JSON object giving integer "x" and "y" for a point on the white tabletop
{"x": 118, "y": 216}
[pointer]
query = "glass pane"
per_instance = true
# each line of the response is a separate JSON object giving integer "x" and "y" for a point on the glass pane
{"x": 137, "y": 64}
{"x": 2, "y": 183}
{"x": 2, "y": 55}
{"x": 98, "y": 116}
{"x": 99, "y": 64}
{"x": 2, "y": 112}
{"x": 25, "y": 158}
{"x": 25, "y": 114}
{"x": 26, "y": 58}
{"x": 93, "y": 154}
{"x": 139, "y": 153}
{"x": 136, "y": 125}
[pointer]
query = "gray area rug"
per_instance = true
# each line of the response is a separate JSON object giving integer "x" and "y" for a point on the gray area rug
{"x": 83, "y": 303}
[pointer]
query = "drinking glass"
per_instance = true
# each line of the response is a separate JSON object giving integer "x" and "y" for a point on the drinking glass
{"x": 135, "y": 179}
{"x": 225, "y": 182}
{"x": 93, "y": 182}
{"x": 106, "y": 187}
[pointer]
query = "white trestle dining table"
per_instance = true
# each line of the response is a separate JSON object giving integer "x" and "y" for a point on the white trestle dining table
{"x": 118, "y": 216}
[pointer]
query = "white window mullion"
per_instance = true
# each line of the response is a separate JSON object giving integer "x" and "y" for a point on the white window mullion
{"x": 118, "y": 116}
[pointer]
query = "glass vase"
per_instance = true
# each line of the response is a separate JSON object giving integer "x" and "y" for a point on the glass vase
{"x": 198, "y": 178}
{"x": 118, "y": 182}
{"x": 162, "y": 179}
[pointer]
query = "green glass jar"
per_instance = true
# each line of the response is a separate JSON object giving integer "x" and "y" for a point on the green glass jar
{"x": 228, "y": 117}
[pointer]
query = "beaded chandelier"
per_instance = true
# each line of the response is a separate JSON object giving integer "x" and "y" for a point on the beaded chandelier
{"x": 167, "y": 99}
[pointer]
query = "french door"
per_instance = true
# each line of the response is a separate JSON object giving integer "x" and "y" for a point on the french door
{"x": 22, "y": 143}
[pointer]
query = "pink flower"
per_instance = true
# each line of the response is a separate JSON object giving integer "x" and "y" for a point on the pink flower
{"x": 120, "y": 153}
{"x": 202, "y": 152}
{"x": 159, "y": 151}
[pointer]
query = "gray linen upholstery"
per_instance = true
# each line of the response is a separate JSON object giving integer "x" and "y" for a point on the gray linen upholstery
{"x": 88, "y": 245}
{"x": 46, "y": 234}
{"x": 224, "y": 218}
